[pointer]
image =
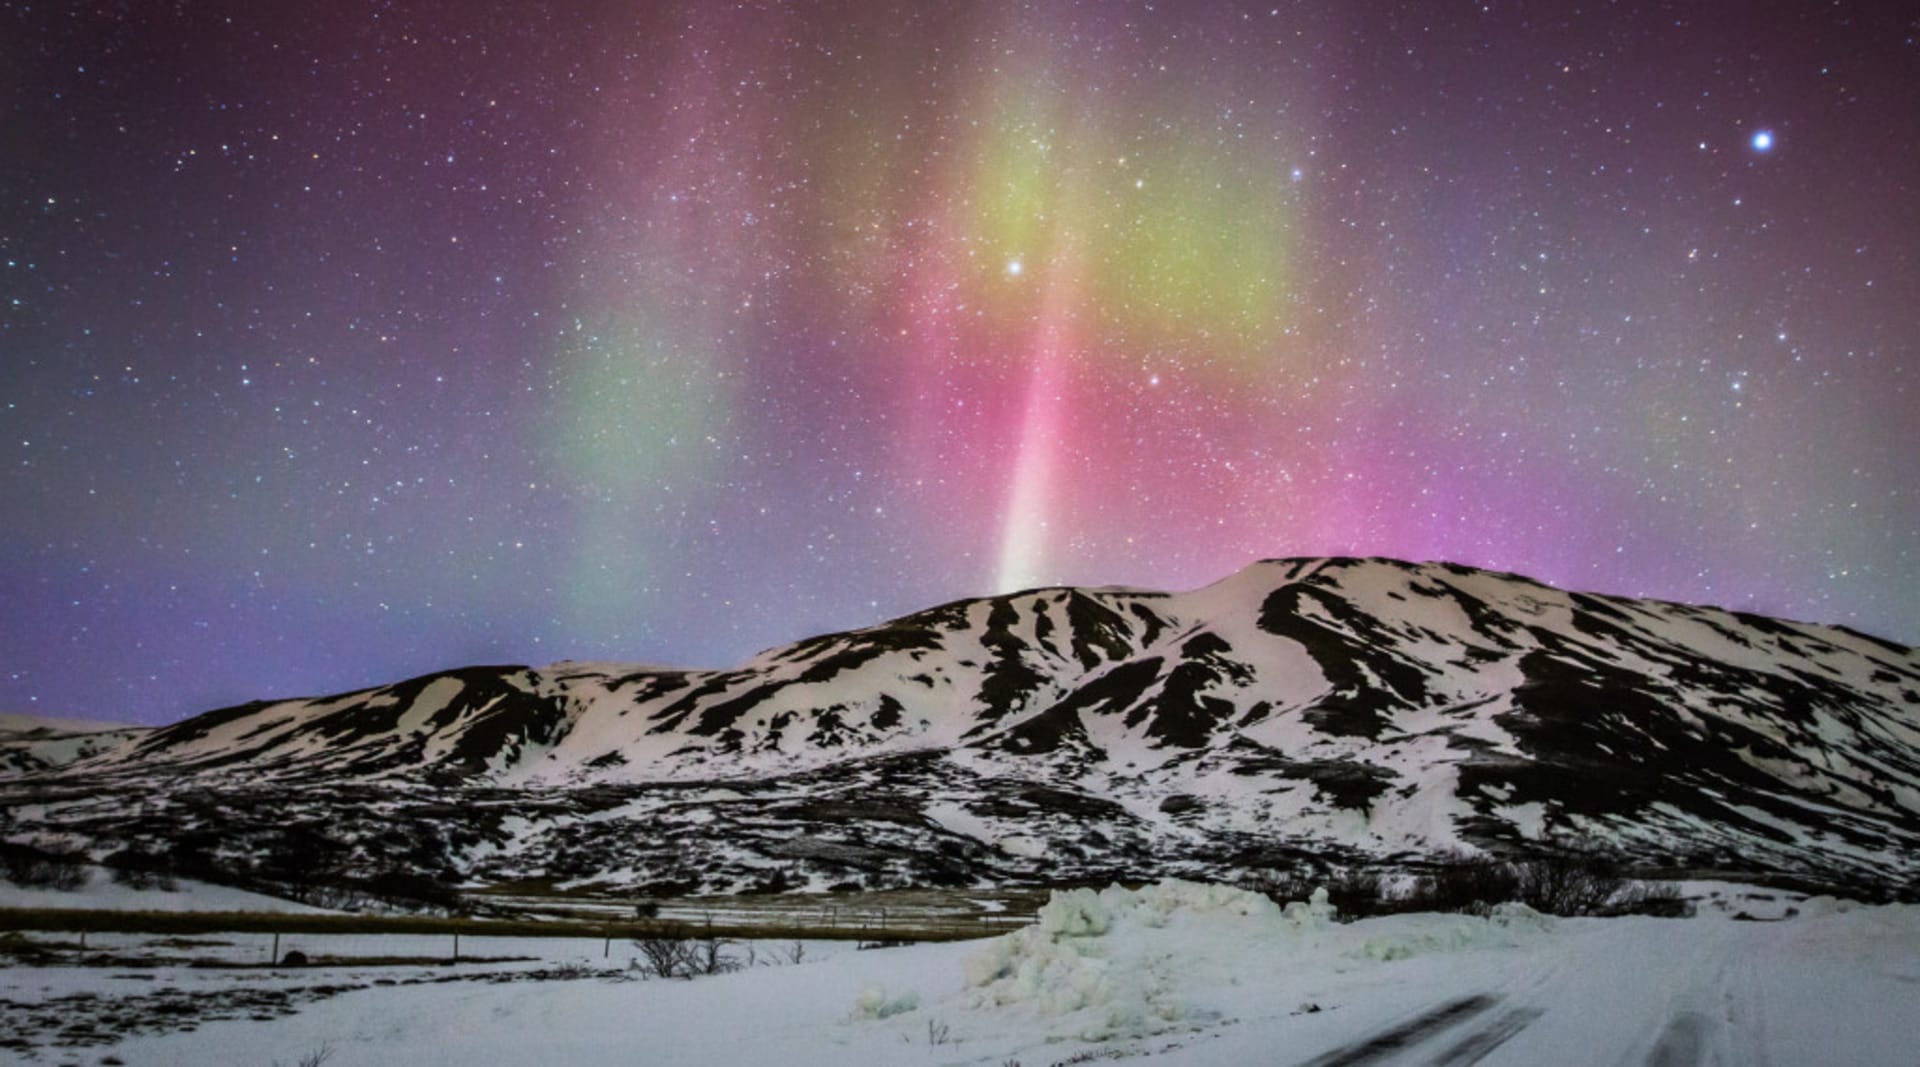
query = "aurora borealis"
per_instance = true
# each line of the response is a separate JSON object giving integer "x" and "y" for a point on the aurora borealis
{"x": 348, "y": 341}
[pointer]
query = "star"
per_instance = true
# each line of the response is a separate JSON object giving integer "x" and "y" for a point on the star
{"x": 1415, "y": 309}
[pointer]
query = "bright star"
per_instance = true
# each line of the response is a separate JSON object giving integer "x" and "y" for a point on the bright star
{"x": 1763, "y": 140}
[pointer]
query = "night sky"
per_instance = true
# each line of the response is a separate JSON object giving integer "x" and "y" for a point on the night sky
{"x": 345, "y": 341}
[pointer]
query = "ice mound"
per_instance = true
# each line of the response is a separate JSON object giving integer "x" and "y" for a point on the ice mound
{"x": 1505, "y": 926}
{"x": 1114, "y": 963}
{"x": 1118, "y": 963}
{"x": 1826, "y": 905}
{"x": 874, "y": 1003}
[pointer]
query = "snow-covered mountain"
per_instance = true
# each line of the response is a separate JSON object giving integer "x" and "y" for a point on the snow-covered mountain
{"x": 28, "y": 743}
{"x": 1343, "y": 709}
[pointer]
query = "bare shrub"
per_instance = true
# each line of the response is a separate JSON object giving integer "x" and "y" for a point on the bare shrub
{"x": 407, "y": 888}
{"x": 1355, "y": 892}
{"x": 56, "y": 867}
{"x": 309, "y": 866}
{"x": 1662, "y": 900}
{"x": 1578, "y": 883}
{"x": 938, "y": 1032}
{"x": 139, "y": 878}
{"x": 1282, "y": 887}
{"x": 141, "y": 868}
{"x": 1358, "y": 893}
{"x": 710, "y": 954}
{"x": 341, "y": 897}
{"x": 313, "y": 1058}
{"x": 1463, "y": 881}
{"x": 665, "y": 957}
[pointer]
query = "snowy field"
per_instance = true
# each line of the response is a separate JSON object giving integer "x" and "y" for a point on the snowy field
{"x": 103, "y": 893}
{"x": 1170, "y": 974}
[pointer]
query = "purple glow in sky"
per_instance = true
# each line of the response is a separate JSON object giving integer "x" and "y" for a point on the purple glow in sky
{"x": 348, "y": 341}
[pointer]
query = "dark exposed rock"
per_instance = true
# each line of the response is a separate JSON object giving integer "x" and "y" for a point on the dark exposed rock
{"x": 1057, "y": 734}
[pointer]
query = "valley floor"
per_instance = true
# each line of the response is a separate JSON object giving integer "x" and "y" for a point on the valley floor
{"x": 1172, "y": 975}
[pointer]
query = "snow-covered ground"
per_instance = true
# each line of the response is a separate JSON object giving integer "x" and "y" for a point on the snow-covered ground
{"x": 1170, "y": 974}
{"x": 102, "y": 893}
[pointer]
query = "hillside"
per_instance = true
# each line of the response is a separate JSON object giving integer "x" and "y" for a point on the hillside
{"x": 1309, "y": 710}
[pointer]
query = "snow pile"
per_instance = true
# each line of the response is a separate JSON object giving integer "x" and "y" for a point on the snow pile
{"x": 874, "y": 1003}
{"x": 1124, "y": 963}
{"x": 1506, "y": 926}
{"x": 1814, "y": 907}
{"x": 1118, "y": 963}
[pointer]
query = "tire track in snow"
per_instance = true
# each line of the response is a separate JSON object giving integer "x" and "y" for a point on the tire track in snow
{"x": 1713, "y": 1016}
{"x": 1527, "y": 987}
{"x": 1476, "y": 1046}
{"x": 1411, "y": 1032}
{"x": 1748, "y": 1015}
{"x": 1683, "y": 1043}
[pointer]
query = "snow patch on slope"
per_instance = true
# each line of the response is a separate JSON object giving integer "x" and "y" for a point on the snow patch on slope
{"x": 102, "y": 893}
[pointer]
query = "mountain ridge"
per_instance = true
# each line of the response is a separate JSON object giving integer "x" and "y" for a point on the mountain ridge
{"x": 1366, "y": 709}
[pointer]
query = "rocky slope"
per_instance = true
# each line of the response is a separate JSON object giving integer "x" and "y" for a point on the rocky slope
{"x": 1307, "y": 710}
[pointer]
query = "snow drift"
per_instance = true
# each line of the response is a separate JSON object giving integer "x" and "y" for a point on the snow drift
{"x": 1122, "y": 963}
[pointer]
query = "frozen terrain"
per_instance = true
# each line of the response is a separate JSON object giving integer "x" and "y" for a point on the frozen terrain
{"x": 103, "y": 893}
{"x": 1328, "y": 712}
{"x": 1303, "y": 718}
{"x": 1174, "y": 973}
